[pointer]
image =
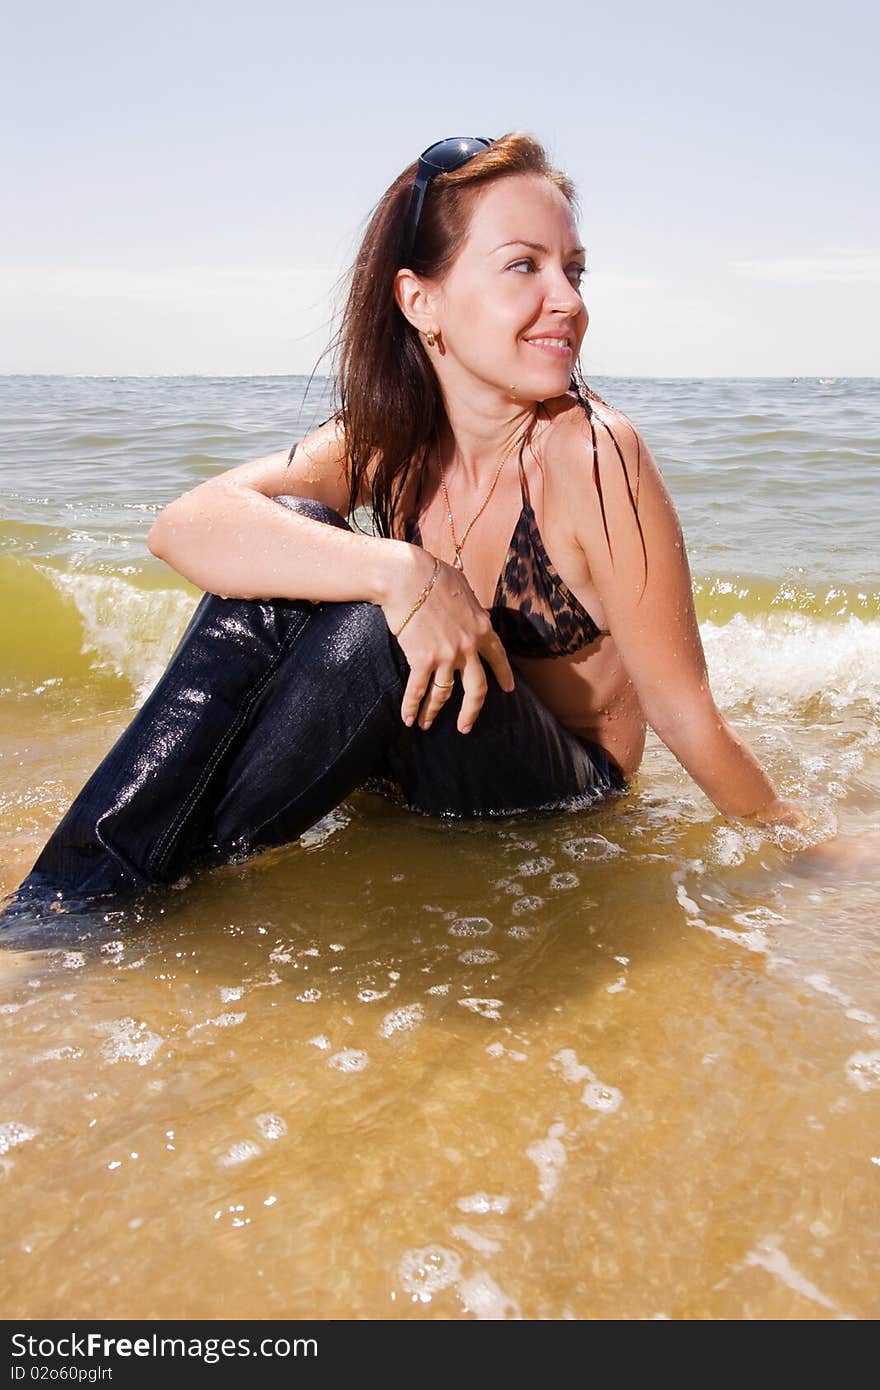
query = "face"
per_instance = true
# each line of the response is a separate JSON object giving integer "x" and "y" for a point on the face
{"x": 510, "y": 309}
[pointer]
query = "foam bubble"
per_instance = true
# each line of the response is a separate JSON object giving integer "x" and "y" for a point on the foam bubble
{"x": 529, "y": 903}
{"x": 425, "y": 1271}
{"x": 482, "y": 1297}
{"x": 531, "y": 867}
{"x": 129, "y": 1041}
{"x": 863, "y": 1070}
{"x": 349, "y": 1060}
{"x": 596, "y": 1094}
{"x": 471, "y": 926}
{"x": 549, "y": 1157}
{"x": 12, "y": 1133}
{"x": 271, "y": 1126}
{"x": 484, "y": 1202}
{"x": 402, "y": 1020}
{"x": 599, "y": 1097}
{"x": 226, "y": 1020}
{"x": 591, "y": 848}
{"x": 486, "y": 1008}
{"x": 562, "y": 881}
{"x": 67, "y": 1053}
{"x": 239, "y": 1153}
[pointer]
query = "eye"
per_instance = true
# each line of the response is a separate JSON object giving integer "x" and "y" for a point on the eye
{"x": 576, "y": 272}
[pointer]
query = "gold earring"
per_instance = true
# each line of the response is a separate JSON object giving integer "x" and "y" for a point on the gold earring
{"x": 430, "y": 338}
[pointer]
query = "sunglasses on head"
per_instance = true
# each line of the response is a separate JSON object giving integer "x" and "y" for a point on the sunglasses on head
{"x": 441, "y": 158}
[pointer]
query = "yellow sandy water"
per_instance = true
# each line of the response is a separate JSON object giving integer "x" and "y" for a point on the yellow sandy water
{"x": 616, "y": 1065}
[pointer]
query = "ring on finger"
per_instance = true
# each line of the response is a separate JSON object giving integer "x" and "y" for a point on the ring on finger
{"x": 443, "y": 685}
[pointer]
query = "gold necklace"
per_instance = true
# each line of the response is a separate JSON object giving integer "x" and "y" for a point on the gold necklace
{"x": 459, "y": 545}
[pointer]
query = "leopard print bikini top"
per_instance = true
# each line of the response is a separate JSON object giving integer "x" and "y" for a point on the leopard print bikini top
{"x": 533, "y": 612}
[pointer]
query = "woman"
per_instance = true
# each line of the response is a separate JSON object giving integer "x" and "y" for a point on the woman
{"x": 446, "y": 658}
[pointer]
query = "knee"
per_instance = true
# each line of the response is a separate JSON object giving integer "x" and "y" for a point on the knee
{"x": 310, "y": 506}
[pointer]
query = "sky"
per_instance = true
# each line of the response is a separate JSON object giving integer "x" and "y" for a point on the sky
{"x": 184, "y": 184}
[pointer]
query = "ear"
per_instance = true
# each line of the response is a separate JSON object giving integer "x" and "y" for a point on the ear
{"x": 417, "y": 300}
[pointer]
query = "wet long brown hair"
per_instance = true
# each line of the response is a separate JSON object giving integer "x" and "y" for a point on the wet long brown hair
{"x": 389, "y": 398}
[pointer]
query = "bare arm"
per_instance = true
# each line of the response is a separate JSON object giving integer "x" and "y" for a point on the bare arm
{"x": 230, "y": 538}
{"x": 652, "y": 619}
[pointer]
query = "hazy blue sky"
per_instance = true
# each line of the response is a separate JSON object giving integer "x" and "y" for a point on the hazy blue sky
{"x": 184, "y": 182}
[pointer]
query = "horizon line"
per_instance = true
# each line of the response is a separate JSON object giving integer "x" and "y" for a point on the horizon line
{"x": 289, "y": 376}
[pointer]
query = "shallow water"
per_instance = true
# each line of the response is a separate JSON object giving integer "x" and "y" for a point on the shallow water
{"x": 622, "y": 1064}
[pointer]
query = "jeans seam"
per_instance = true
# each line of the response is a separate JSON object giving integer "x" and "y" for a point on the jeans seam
{"x": 303, "y": 791}
{"x": 160, "y": 854}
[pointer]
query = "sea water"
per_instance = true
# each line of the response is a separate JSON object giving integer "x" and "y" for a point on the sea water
{"x": 616, "y": 1065}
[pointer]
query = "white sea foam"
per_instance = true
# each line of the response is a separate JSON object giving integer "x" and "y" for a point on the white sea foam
{"x": 349, "y": 1060}
{"x": 549, "y": 1157}
{"x": 427, "y": 1270}
{"x": 470, "y": 926}
{"x": 483, "y": 1298}
{"x": 129, "y": 1041}
{"x": 484, "y": 1202}
{"x": 239, "y": 1153}
{"x": 127, "y": 630}
{"x": 12, "y": 1133}
{"x": 271, "y": 1126}
{"x": 486, "y": 1008}
{"x": 401, "y": 1020}
{"x": 863, "y": 1070}
{"x": 780, "y": 661}
{"x": 596, "y": 1094}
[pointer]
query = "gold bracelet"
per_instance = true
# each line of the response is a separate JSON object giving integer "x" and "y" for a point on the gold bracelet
{"x": 421, "y": 598}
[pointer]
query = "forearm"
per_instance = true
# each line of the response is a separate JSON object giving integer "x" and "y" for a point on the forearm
{"x": 236, "y": 542}
{"x": 719, "y": 762}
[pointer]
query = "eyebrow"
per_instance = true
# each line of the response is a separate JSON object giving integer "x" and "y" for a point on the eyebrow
{"x": 536, "y": 246}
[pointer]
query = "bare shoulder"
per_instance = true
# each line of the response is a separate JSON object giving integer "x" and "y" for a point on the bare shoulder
{"x": 614, "y": 495}
{"x": 601, "y": 446}
{"x": 313, "y": 467}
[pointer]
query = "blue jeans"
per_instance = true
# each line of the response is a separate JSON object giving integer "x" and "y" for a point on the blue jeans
{"x": 269, "y": 713}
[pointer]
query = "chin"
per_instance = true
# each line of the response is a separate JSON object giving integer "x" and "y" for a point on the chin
{"x": 543, "y": 386}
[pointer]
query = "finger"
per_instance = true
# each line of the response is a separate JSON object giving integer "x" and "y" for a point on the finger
{"x": 441, "y": 687}
{"x": 475, "y": 687}
{"x": 412, "y": 695}
{"x": 492, "y": 649}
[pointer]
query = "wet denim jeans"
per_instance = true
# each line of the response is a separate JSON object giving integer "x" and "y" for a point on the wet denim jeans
{"x": 269, "y": 713}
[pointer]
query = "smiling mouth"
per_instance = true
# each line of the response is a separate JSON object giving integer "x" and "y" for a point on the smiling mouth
{"x": 557, "y": 347}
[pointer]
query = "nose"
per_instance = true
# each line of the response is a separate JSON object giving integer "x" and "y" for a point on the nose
{"x": 562, "y": 296}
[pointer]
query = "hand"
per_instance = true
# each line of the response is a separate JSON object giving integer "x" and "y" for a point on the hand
{"x": 783, "y": 813}
{"x": 450, "y": 632}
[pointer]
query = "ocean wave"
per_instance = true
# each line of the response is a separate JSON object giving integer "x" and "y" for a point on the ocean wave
{"x": 79, "y": 626}
{"x": 786, "y": 662}
{"x": 720, "y": 598}
{"x": 768, "y": 646}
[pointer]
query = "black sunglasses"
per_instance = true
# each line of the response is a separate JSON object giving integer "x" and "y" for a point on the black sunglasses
{"x": 441, "y": 158}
